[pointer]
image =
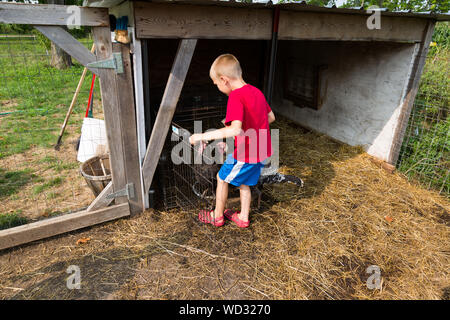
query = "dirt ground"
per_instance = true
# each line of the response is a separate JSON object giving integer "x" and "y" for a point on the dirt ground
{"x": 312, "y": 243}
{"x": 71, "y": 194}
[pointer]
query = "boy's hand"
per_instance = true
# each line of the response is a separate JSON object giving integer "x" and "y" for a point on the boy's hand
{"x": 197, "y": 137}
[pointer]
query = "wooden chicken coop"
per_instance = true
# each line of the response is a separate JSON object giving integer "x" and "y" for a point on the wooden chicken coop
{"x": 323, "y": 68}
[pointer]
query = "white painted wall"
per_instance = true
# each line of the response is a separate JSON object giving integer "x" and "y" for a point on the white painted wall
{"x": 365, "y": 85}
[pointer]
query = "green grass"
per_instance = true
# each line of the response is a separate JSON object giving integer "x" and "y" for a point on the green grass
{"x": 12, "y": 181}
{"x": 47, "y": 185}
{"x": 10, "y": 220}
{"x": 43, "y": 95}
{"x": 57, "y": 165}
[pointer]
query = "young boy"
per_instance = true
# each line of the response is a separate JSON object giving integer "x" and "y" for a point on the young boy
{"x": 247, "y": 119}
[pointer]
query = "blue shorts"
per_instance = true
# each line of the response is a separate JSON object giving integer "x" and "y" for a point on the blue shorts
{"x": 236, "y": 172}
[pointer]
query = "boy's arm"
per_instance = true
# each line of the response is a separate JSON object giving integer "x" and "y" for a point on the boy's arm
{"x": 271, "y": 117}
{"x": 231, "y": 131}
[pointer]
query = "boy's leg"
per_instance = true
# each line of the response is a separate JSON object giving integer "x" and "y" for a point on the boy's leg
{"x": 221, "y": 197}
{"x": 246, "y": 199}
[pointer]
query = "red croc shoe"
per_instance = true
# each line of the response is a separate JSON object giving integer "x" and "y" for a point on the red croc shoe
{"x": 205, "y": 217}
{"x": 233, "y": 216}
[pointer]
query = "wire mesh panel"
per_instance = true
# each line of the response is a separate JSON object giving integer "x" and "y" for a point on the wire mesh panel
{"x": 37, "y": 85}
{"x": 425, "y": 153}
{"x": 190, "y": 184}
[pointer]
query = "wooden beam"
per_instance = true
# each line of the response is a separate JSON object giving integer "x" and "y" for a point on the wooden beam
{"x": 120, "y": 119}
{"x": 101, "y": 201}
{"x": 48, "y": 14}
{"x": 297, "y": 25}
{"x": 411, "y": 92}
{"x": 382, "y": 164}
{"x": 111, "y": 110}
{"x": 169, "y": 101}
{"x": 140, "y": 108}
{"x": 127, "y": 118}
{"x": 69, "y": 44}
{"x": 58, "y": 225}
{"x": 156, "y": 20}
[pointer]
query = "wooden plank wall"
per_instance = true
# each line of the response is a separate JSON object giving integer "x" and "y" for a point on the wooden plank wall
{"x": 158, "y": 20}
{"x": 297, "y": 25}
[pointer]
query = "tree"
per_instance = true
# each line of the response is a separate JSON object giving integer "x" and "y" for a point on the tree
{"x": 60, "y": 59}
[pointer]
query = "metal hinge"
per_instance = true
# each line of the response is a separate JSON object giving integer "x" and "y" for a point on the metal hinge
{"x": 128, "y": 191}
{"x": 112, "y": 63}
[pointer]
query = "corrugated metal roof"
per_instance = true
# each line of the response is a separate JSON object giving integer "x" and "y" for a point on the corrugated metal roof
{"x": 295, "y": 6}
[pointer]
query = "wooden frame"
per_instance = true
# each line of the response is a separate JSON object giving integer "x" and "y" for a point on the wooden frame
{"x": 69, "y": 44}
{"x": 119, "y": 112}
{"x": 53, "y": 15}
{"x": 167, "y": 109}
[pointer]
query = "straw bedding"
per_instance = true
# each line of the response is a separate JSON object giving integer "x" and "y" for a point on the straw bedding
{"x": 310, "y": 243}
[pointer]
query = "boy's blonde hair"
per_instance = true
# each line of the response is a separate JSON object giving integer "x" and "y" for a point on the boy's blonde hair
{"x": 226, "y": 65}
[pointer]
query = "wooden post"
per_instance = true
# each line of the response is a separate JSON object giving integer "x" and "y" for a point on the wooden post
{"x": 169, "y": 101}
{"x": 120, "y": 120}
{"x": 127, "y": 118}
{"x": 411, "y": 92}
{"x": 140, "y": 108}
{"x": 108, "y": 84}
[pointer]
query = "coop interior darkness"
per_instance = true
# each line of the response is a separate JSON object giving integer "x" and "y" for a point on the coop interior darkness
{"x": 199, "y": 100}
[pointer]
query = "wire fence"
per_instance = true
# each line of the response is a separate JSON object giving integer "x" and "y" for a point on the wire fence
{"x": 425, "y": 153}
{"x": 37, "y": 181}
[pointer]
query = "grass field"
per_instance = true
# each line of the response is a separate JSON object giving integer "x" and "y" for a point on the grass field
{"x": 34, "y": 99}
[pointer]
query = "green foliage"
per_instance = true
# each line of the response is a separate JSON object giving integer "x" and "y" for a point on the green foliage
{"x": 441, "y": 35}
{"x": 395, "y": 5}
{"x": 10, "y": 220}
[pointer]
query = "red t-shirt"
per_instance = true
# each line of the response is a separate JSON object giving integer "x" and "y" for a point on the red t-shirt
{"x": 248, "y": 105}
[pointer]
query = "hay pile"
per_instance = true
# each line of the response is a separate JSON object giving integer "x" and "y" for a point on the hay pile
{"x": 313, "y": 243}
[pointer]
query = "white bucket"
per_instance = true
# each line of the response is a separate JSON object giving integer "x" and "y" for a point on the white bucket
{"x": 93, "y": 141}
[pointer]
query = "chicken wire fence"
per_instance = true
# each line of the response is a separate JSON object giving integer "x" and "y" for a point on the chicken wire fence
{"x": 425, "y": 152}
{"x": 37, "y": 86}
